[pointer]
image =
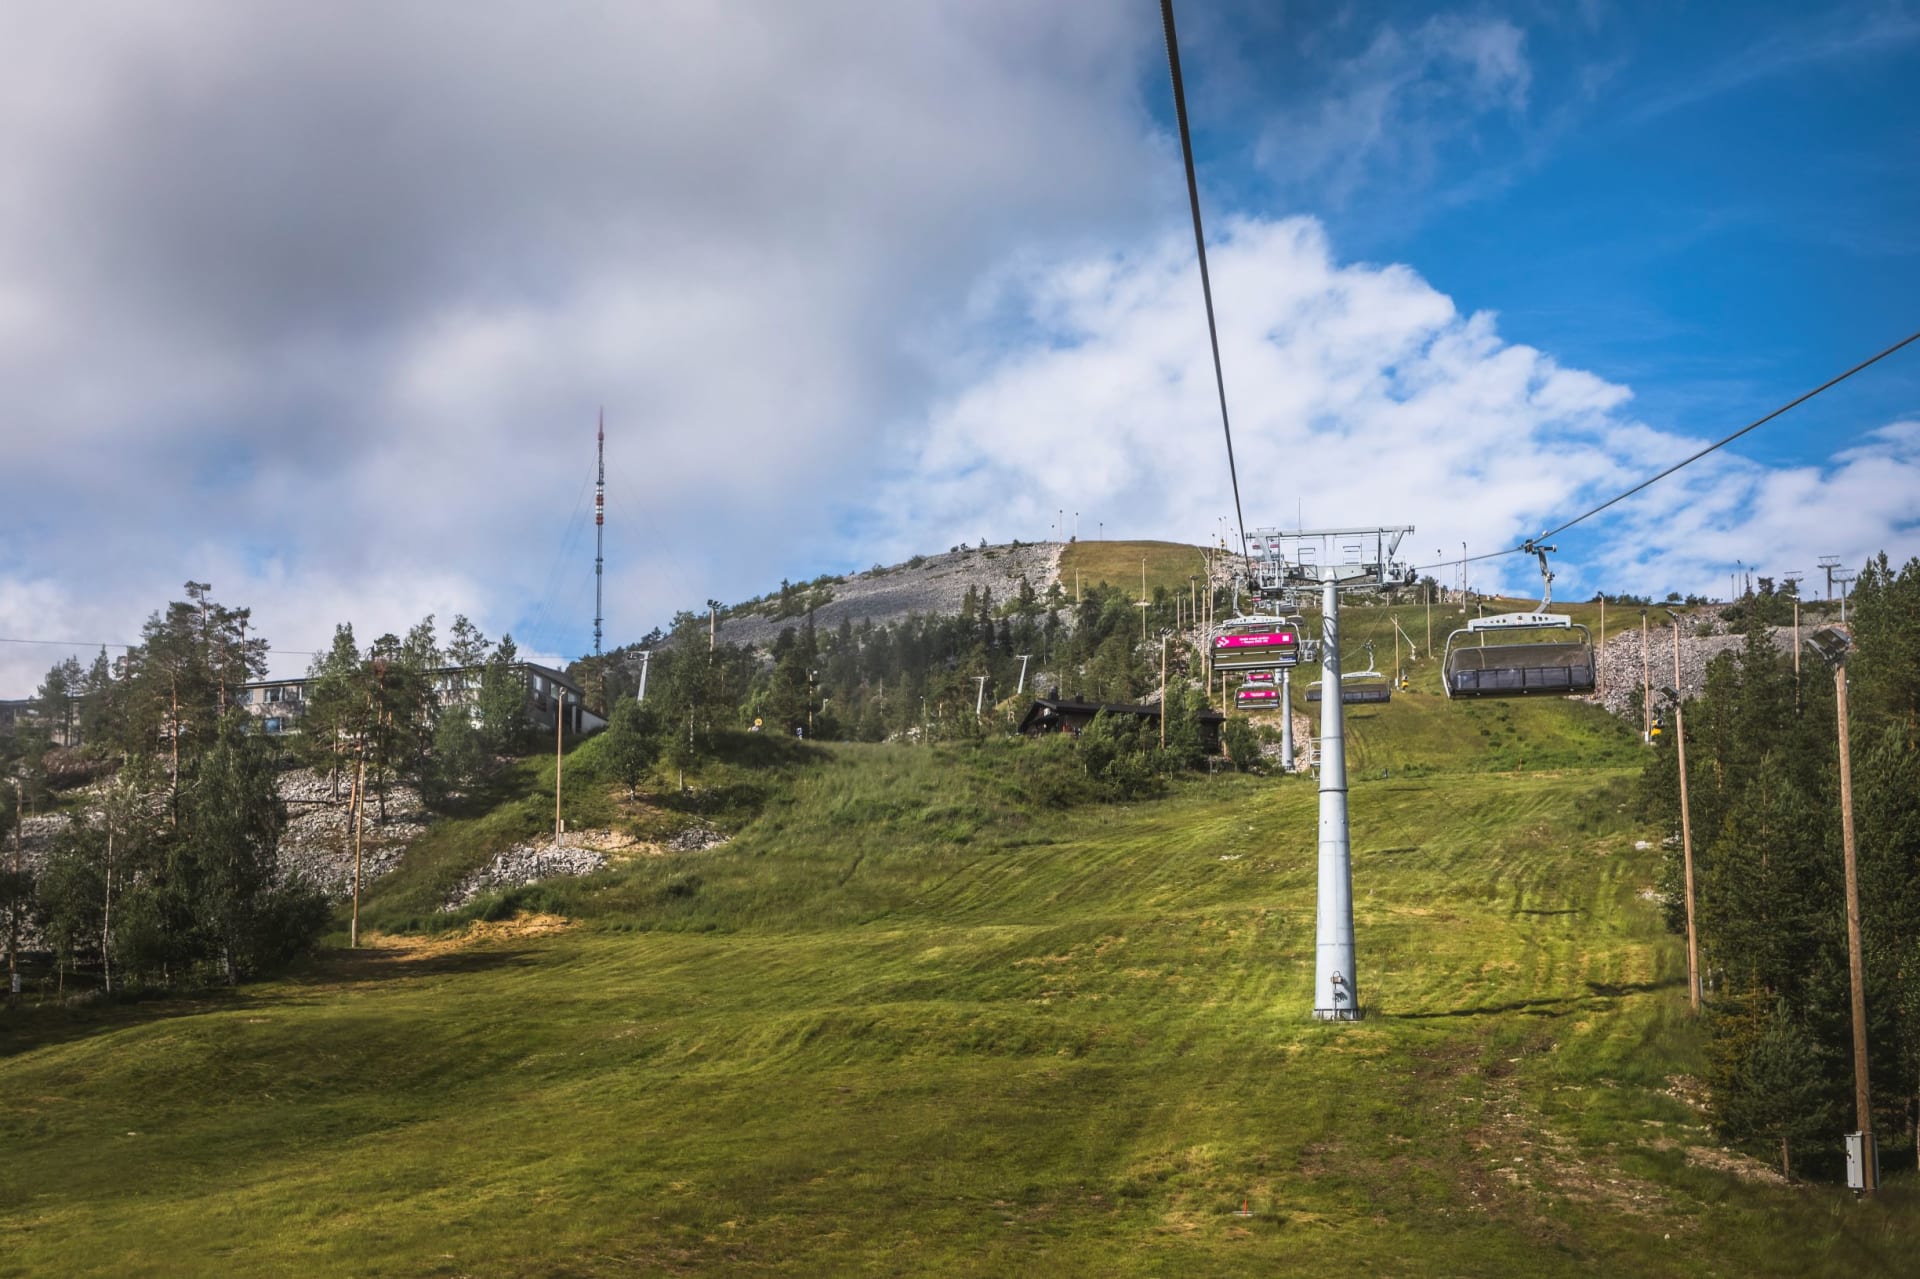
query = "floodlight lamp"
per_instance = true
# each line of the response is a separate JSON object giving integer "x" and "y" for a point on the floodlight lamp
{"x": 1831, "y": 644}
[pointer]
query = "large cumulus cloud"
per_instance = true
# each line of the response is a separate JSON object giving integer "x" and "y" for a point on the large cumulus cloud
{"x": 320, "y": 302}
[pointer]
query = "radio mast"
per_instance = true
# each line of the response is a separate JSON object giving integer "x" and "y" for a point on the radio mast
{"x": 599, "y": 527}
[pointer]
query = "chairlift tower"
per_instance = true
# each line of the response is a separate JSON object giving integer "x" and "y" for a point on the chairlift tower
{"x": 1283, "y": 564}
{"x": 1828, "y": 563}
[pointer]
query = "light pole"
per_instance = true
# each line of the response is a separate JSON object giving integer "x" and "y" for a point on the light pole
{"x": 1863, "y": 1171}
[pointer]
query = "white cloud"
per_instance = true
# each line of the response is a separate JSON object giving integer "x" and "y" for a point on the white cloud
{"x": 1359, "y": 395}
{"x": 1393, "y": 107}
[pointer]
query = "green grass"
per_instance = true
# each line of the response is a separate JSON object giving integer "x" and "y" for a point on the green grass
{"x": 1169, "y": 564}
{"x": 1422, "y": 732}
{"x": 913, "y": 1021}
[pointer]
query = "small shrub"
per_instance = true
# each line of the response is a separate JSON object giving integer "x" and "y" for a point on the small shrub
{"x": 1243, "y": 747}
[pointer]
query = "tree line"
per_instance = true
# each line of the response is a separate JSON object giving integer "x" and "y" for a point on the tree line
{"x": 167, "y": 872}
{"x": 1764, "y": 794}
{"x": 916, "y": 677}
{"x": 165, "y": 867}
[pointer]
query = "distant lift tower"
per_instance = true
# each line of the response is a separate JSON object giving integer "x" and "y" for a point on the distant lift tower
{"x": 1828, "y": 563}
{"x": 599, "y": 527}
{"x": 1284, "y": 564}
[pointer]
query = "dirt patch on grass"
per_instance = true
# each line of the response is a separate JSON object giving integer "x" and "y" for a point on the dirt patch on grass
{"x": 1735, "y": 1164}
{"x": 476, "y": 933}
{"x": 1517, "y": 1164}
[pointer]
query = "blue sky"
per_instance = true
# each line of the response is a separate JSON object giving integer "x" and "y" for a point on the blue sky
{"x": 321, "y": 307}
{"x": 1715, "y": 205}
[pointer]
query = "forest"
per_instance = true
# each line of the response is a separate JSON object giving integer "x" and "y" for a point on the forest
{"x": 1763, "y": 788}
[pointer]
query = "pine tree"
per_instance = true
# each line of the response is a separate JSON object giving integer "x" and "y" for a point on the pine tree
{"x": 503, "y": 701}
{"x": 98, "y": 700}
{"x": 59, "y": 699}
{"x": 227, "y": 848}
{"x": 1771, "y": 1080}
{"x": 633, "y": 742}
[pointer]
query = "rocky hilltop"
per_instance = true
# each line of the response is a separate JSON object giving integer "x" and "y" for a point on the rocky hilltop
{"x": 925, "y": 584}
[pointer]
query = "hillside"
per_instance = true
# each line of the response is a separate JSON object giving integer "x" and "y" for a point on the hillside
{"x": 1168, "y": 565}
{"x": 929, "y": 584}
{"x": 924, "y": 585}
{"x": 913, "y": 1018}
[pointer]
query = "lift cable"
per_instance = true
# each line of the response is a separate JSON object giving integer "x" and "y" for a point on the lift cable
{"x": 1527, "y": 546}
{"x": 1200, "y": 248}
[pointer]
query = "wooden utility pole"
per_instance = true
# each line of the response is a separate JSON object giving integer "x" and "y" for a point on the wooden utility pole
{"x": 1862, "y": 1095}
{"x": 1646, "y": 682}
{"x": 1603, "y": 641}
{"x": 559, "y": 724}
{"x": 1163, "y": 693}
{"x": 1686, "y": 827}
{"x": 106, "y": 913}
{"x": 357, "y": 810}
{"x": 1796, "y": 647}
{"x": 173, "y": 795}
{"x": 1427, "y": 590}
{"x": 1206, "y": 631}
{"x": 13, "y": 915}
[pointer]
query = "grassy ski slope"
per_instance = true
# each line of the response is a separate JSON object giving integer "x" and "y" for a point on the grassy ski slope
{"x": 910, "y": 1023}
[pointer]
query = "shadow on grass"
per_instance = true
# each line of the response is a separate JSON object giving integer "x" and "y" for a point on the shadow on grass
{"x": 400, "y": 963}
{"x": 1612, "y": 990}
{"x": 46, "y": 1025}
{"x": 30, "y": 1027}
{"x": 1532, "y": 1007}
{"x": 1600, "y": 996}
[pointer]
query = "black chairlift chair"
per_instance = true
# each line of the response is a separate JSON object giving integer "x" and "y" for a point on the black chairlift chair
{"x": 1359, "y": 687}
{"x": 1528, "y": 667}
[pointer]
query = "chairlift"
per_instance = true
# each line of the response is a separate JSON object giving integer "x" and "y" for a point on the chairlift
{"x": 1359, "y": 687}
{"x": 1526, "y": 667}
{"x": 1255, "y": 642}
{"x": 1257, "y": 697}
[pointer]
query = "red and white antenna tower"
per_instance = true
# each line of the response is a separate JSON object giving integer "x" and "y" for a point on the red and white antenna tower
{"x": 599, "y": 527}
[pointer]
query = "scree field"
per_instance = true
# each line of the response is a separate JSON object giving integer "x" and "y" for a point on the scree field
{"x": 910, "y": 1021}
